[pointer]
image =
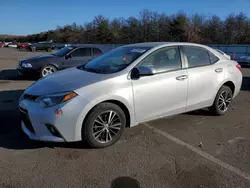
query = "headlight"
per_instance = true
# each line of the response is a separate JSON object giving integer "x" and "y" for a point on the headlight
{"x": 26, "y": 65}
{"x": 54, "y": 99}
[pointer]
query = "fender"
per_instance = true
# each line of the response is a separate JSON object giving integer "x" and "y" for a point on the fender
{"x": 222, "y": 83}
{"x": 95, "y": 102}
{"x": 54, "y": 64}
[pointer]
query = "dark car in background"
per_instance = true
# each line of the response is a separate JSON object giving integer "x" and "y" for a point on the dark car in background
{"x": 42, "y": 46}
{"x": 67, "y": 57}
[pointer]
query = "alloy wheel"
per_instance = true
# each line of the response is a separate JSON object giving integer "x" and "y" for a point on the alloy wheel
{"x": 106, "y": 126}
{"x": 224, "y": 100}
{"x": 48, "y": 70}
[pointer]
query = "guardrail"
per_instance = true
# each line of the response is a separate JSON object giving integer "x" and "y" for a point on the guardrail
{"x": 240, "y": 53}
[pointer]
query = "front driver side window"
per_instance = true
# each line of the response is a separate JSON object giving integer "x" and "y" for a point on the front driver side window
{"x": 164, "y": 59}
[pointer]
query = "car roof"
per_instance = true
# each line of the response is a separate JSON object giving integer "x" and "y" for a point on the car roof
{"x": 162, "y": 44}
{"x": 156, "y": 44}
{"x": 101, "y": 47}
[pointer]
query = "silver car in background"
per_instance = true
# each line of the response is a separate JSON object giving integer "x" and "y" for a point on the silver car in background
{"x": 127, "y": 86}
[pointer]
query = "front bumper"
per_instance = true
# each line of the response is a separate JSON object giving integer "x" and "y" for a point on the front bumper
{"x": 27, "y": 71}
{"x": 36, "y": 119}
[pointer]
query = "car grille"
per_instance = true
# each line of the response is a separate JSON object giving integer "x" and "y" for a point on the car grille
{"x": 30, "y": 97}
{"x": 26, "y": 120}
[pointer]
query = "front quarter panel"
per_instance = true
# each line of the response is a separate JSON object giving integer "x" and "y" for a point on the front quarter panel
{"x": 116, "y": 88}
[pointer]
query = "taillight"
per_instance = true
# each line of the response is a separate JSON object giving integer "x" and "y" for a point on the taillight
{"x": 238, "y": 67}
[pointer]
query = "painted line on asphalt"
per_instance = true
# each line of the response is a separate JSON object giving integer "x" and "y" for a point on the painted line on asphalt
{"x": 201, "y": 153}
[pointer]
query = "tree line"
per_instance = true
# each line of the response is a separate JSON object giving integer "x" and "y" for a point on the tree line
{"x": 151, "y": 26}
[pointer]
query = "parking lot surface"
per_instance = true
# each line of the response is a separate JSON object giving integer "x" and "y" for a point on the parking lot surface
{"x": 192, "y": 150}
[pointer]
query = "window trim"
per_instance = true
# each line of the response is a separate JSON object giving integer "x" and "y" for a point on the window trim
{"x": 186, "y": 60}
{"x": 181, "y": 59}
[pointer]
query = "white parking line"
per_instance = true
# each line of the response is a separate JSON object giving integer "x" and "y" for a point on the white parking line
{"x": 201, "y": 153}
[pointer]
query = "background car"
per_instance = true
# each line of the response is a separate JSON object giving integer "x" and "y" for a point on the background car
{"x": 42, "y": 46}
{"x": 12, "y": 45}
{"x": 129, "y": 85}
{"x": 62, "y": 59}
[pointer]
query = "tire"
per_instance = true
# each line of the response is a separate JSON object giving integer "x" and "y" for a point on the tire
{"x": 32, "y": 49}
{"x": 52, "y": 68}
{"x": 217, "y": 108}
{"x": 49, "y": 50}
{"x": 90, "y": 134}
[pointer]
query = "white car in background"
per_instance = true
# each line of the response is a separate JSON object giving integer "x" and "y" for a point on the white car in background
{"x": 12, "y": 45}
{"x": 223, "y": 53}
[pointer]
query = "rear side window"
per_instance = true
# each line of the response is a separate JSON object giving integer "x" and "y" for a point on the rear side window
{"x": 81, "y": 52}
{"x": 96, "y": 52}
{"x": 196, "y": 56}
{"x": 213, "y": 58}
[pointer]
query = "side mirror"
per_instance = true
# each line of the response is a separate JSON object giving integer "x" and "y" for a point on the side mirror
{"x": 136, "y": 73}
{"x": 68, "y": 56}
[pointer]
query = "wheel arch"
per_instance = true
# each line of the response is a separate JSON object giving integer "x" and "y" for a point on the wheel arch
{"x": 51, "y": 64}
{"x": 231, "y": 85}
{"x": 127, "y": 109}
{"x": 228, "y": 83}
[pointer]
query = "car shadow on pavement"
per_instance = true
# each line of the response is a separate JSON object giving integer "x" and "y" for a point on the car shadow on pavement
{"x": 125, "y": 182}
{"x": 11, "y": 135}
{"x": 201, "y": 112}
{"x": 12, "y": 74}
{"x": 245, "y": 84}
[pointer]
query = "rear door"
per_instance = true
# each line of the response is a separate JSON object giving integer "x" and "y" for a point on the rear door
{"x": 205, "y": 75}
{"x": 79, "y": 56}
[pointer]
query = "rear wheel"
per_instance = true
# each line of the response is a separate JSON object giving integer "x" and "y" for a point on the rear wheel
{"x": 49, "y": 50}
{"x": 222, "y": 101}
{"x": 47, "y": 69}
{"x": 104, "y": 125}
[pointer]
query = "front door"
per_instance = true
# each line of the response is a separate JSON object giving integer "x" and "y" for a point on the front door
{"x": 165, "y": 92}
{"x": 78, "y": 57}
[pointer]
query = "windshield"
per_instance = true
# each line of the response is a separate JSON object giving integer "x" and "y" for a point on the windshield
{"x": 63, "y": 51}
{"x": 115, "y": 60}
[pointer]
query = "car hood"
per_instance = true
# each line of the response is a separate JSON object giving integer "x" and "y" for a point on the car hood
{"x": 41, "y": 57}
{"x": 65, "y": 80}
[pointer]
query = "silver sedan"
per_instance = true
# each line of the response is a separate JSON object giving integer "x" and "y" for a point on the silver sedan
{"x": 132, "y": 84}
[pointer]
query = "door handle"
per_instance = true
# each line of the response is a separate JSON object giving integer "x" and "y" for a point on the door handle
{"x": 182, "y": 77}
{"x": 218, "y": 70}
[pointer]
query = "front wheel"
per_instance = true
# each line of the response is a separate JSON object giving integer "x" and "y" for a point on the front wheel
{"x": 47, "y": 69}
{"x": 222, "y": 101}
{"x": 104, "y": 125}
